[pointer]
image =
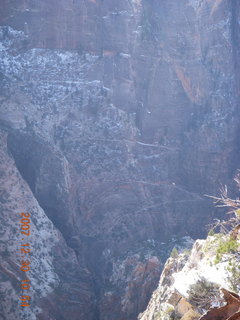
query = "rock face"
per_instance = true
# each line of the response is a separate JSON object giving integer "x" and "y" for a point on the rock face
{"x": 120, "y": 116}
{"x": 230, "y": 312}
{"x": 178, "y": 296}
{"x": 55, "y": 268}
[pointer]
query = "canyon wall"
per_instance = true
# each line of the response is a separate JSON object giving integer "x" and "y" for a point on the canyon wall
{"x": 118, "y": 117}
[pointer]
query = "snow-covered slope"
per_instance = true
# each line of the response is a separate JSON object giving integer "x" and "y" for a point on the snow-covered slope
{"x": 212, "y": 263}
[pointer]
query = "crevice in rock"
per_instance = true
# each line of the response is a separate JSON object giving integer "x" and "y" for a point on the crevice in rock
{"x": 30, "y": 155}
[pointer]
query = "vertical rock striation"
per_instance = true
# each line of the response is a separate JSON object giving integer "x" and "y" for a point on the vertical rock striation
{"x": 55, "y": 270}
{"x": 120, "y": 116}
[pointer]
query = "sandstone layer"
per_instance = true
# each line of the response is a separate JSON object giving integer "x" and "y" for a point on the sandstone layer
{"x": 119, "y": 116}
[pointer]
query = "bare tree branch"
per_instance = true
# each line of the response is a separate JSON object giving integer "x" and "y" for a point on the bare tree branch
{"x": 224, "y": 201}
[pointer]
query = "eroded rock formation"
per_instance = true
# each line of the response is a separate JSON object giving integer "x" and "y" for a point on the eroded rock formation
{"x": 198, "y": 284}
{"x": 230, "y": 311}
{"x": 55, "y": 270}
{"x": 120, "y": 116}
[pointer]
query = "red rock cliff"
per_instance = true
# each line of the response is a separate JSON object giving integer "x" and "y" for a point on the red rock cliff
{"x": 120, "y": 116}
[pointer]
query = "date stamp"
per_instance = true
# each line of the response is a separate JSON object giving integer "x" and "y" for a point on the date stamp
{"x": 25, "y": 249}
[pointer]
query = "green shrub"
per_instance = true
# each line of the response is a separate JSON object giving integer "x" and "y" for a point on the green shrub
{"x": 174, "y": 253}
{"x": 202, "y": 293}
{"x": 228, "y": 246}
{"x": 234, "y": 278}
{"x": 166, "y": 314}
{"x": 187, "y": 252}
{"x": 217, "y": 259}
{"x": 211, "y": 232}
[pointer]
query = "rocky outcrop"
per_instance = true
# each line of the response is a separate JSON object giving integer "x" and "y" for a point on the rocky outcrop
{"x": 190, "y": 283}
{"x": 230, "y": 312}
{"x": 120, "y": 116}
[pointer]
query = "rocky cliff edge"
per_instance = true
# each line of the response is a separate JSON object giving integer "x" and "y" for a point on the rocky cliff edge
{"x": 201, "y": 284}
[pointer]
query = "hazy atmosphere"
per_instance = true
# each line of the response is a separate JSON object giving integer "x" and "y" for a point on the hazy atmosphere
{"x": 119, "y": 158}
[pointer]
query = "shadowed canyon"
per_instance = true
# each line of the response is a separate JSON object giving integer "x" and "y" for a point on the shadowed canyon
{"x": 116, "y": 119}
